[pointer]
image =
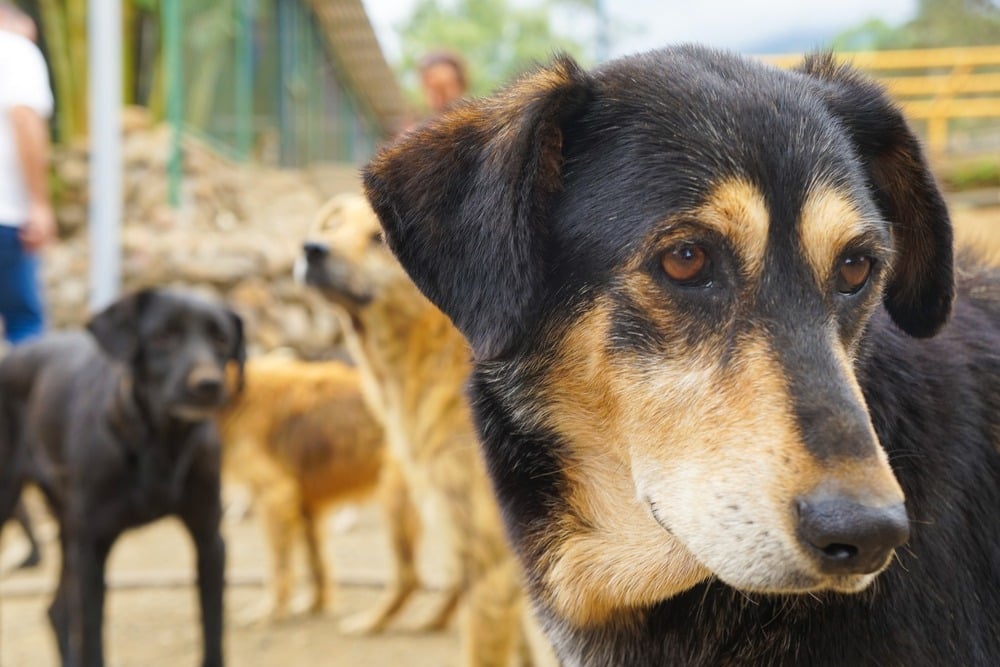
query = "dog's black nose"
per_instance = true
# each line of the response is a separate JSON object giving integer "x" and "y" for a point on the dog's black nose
{"x": 206, "y": 388}
{"x": 848, "y": 537}
{"x": 315, "y": 251}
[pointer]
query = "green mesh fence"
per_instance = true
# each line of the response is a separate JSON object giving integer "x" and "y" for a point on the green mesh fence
{"x": 260, "y": 84}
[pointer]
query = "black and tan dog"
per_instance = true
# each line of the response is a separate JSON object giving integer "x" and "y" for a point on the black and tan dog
{"x": 115, "y": 427}
{"x": 703, "y": 296}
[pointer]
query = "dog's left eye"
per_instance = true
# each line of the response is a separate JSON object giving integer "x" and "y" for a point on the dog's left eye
{"x": 853, "y": 272}
{"x": 687, "y": 264}
{"x": 162, "y": 339}
{"x": 378, "y": 238}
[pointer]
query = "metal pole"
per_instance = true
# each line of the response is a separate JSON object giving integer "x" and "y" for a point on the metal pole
{"x": 172, "y": 23}
{"x": 104, "y": 35}
{"x": 244, "y": 78}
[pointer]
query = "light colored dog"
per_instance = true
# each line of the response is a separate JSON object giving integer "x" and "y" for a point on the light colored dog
{"x": 414, "y": 364}
{"x": 302, "y": 439}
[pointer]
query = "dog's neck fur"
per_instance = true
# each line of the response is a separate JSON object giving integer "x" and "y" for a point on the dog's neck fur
{"x": 414, "y": 365}
{"x": 402, "y": 341}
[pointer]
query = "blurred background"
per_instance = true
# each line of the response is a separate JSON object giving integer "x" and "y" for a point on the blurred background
{"x": 246, "y": 114}
{"x": 240, "y": 117}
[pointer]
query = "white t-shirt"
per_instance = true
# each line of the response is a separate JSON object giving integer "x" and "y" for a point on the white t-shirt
{"x": 24, "y": 81}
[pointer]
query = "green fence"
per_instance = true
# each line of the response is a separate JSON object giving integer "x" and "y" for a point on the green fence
{"x": 258, "y": 81}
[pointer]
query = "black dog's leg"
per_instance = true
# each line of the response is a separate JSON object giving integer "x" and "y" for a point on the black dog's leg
{"x": 59, "y": 609}
{"x": 11, "y": 461}
{"x": 202, "y": 517}
{"x": 90, "y": 612}
{"x": 92, "y": 562}
{"x": 82, "y": 602}
{"x": 34, "y": 556}
{"x": 10, "y": 489}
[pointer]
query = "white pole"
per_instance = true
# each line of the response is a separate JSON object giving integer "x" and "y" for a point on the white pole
{"x": 104, "y": 32}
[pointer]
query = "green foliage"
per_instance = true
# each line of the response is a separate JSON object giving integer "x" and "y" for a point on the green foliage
{"x": 498, "y": 38}
{"x": 873, "y": 34}
{"x": 938, "y": 23}
{"x": 983, "y": 172}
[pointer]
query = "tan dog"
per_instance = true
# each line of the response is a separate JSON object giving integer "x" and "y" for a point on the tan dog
{"x": 301, "y": 437}
{"x": 414, "y": 364}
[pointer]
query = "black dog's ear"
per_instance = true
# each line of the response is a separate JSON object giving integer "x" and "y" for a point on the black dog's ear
{"x": 463, "y": 201}
{"x": 920, "y": 292}
{"x": 116, "y": 328}
{"x": 238, "y": 354}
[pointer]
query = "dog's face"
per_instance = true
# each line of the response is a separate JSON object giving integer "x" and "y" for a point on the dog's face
{"x": 346, "y": 258}
{"x": 666, "y": 270}
{"x": 177, "y": 347}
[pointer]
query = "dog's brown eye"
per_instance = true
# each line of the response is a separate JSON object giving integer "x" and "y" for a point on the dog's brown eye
{"x": 162, "y": 338}
{"x": 686, "y": 264}
{"x": 220, "y": 337}
{"x": 852, "y": 273}
{"x": 378, "y": 238}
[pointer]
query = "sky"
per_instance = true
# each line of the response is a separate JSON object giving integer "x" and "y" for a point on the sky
{"x": 742, "y": 25}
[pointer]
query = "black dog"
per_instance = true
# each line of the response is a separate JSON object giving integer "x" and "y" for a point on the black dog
{"x": 709, "y": 306}
{"x": 115, "y": 427}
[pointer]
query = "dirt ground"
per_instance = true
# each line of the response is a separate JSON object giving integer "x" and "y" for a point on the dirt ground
{"x": 151, "y": 616}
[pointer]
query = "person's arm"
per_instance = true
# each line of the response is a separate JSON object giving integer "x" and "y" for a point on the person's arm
{"x": 31, "y": 136}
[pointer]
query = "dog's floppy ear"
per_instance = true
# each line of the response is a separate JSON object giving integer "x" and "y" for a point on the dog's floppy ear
{"x": 920, "y": 291}
{"x": 463, "y": 200}
{"x": 238, "y": 354}
{"x": 116, "y": 328}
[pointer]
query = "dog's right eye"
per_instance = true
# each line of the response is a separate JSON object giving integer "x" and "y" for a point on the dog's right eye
{"x": 162, "y": 338}
{"x": 852, "y": 273}
{"x": 377, "y": 238}
{"x": 687, "y": 264}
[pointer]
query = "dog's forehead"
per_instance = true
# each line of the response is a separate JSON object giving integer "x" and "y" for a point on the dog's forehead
{"x": 667, "y": 129}
{"x": 168, "y": 308}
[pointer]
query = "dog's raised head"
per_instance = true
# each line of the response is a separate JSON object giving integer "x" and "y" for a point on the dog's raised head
{"x": 666, "y": 269}
{"x": 346, "y": 258}
{"x": 177, "y": 347}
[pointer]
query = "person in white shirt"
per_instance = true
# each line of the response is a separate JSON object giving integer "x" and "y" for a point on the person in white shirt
{"x": 27, "y": 222}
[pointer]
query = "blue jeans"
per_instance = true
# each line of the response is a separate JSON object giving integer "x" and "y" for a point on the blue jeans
{"x": 20, "y": 292}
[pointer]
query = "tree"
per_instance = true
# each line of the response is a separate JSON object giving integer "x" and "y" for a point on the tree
{"x": 937, "y": 23}
{"x": 498, "y": 39}
{"x": 63, "y": 37}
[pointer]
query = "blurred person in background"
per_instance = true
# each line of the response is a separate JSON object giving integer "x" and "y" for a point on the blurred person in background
{"x": 27, "y": 222}
{"x": 443, "y": 79}
{"x": 26, "y": 219}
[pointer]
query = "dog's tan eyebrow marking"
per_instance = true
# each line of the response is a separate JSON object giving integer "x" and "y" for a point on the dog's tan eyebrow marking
{"x": 738, "y": 211}
{"x": 828, "y": 224}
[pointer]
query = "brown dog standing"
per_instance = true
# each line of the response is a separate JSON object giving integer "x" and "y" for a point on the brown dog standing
{"x": 301, "y": 437}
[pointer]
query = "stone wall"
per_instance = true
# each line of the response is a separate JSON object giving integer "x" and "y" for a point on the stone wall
{"x": 236, "y": 236}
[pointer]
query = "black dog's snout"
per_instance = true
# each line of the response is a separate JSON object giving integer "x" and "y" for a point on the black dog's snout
{"x": 205, "y": 385}
{"x": 848, "y": 537}
{"x": 315, "y": 251}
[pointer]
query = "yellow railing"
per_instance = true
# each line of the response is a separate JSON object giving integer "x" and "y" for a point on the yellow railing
{"x": 932, "y": 85}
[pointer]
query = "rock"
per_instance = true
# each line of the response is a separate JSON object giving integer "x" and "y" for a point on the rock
{"x": 236, "y": 235}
